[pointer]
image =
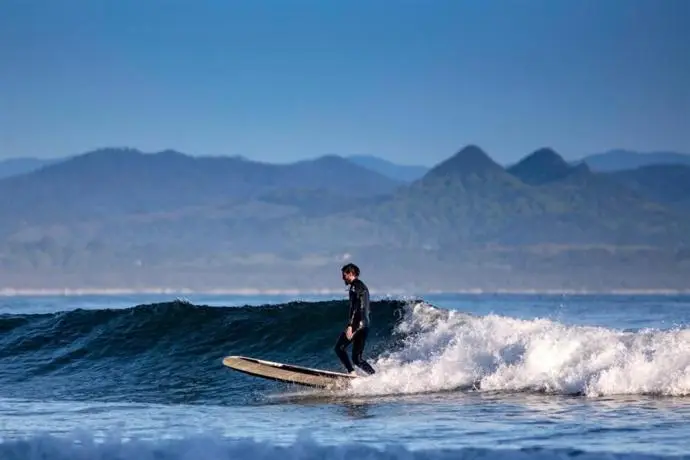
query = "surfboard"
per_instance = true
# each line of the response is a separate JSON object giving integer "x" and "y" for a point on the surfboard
{"x": 288, "y": 373}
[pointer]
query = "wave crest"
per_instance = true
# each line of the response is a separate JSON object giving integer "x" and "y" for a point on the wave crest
{"x": 446, "y": 350}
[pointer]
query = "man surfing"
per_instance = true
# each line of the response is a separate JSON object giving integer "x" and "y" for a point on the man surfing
{"x": 358, "y": 323}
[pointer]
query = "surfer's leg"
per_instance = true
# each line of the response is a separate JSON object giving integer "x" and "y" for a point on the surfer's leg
{"x": 358, "y": 342}
{"x": 340, "y": 346}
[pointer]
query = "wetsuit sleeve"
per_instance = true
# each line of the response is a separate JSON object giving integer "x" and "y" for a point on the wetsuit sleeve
{"x": 362, "y": 307}
{"x": 353, "y": 313}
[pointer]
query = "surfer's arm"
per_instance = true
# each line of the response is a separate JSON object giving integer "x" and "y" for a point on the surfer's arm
{"x": 350, "y": 323}
{"x": 364, "y": 305}
{"x": 363, "y": 308}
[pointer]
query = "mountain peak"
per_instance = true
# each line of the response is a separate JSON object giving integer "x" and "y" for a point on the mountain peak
{"x": 547, "y": 154}
{"x": 542, "y": 166}
{"x": 470, "y": 160}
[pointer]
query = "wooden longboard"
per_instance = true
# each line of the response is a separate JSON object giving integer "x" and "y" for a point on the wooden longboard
{"x": 287, "y": 372}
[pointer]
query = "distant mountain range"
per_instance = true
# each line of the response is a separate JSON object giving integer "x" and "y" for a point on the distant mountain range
{"x": 619, "y": 160}
{"x": 613, "y": 160}
{"x": 124, "y": 218}
{"x": 405, "y": 173}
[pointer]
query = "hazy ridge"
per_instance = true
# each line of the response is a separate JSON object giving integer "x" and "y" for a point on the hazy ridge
{"x": 120, "y": 218}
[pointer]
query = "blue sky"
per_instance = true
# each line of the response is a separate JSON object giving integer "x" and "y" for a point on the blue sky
{"x": 410, "y": 81}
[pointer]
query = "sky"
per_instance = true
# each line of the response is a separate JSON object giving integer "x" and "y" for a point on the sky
{"x": 409, "y": 81}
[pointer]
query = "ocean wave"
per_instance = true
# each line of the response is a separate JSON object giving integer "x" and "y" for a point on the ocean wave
{"x": 172, "y": 351}
{"x": 83, "y": 446}
{"x": 445, "y": 350}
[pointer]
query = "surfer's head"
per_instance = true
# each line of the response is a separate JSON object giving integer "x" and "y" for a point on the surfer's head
{"x": 350, "y": 272}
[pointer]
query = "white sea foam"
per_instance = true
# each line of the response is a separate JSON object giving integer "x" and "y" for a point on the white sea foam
{"x": 446, "y": 350}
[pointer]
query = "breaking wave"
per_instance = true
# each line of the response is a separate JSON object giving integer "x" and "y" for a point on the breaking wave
{"x": 446, "y": 350}
{"x": 172, "y": 352}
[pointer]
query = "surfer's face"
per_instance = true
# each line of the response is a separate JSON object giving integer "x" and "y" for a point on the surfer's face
{"x": 348, "y": 277}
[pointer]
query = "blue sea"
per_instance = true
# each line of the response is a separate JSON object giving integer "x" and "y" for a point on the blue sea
{"x": 458, "y": 376}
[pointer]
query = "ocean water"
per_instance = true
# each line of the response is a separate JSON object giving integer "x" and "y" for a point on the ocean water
{"x": 458, "y": 376}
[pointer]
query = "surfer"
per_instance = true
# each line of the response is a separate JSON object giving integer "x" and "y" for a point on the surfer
{"x": 358, "y": 324}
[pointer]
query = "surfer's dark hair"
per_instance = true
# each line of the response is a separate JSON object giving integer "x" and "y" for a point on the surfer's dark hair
{"x": 350, "y": 268}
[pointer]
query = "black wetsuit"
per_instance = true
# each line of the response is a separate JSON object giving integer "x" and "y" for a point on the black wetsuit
{"x": 359, "y": 321}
